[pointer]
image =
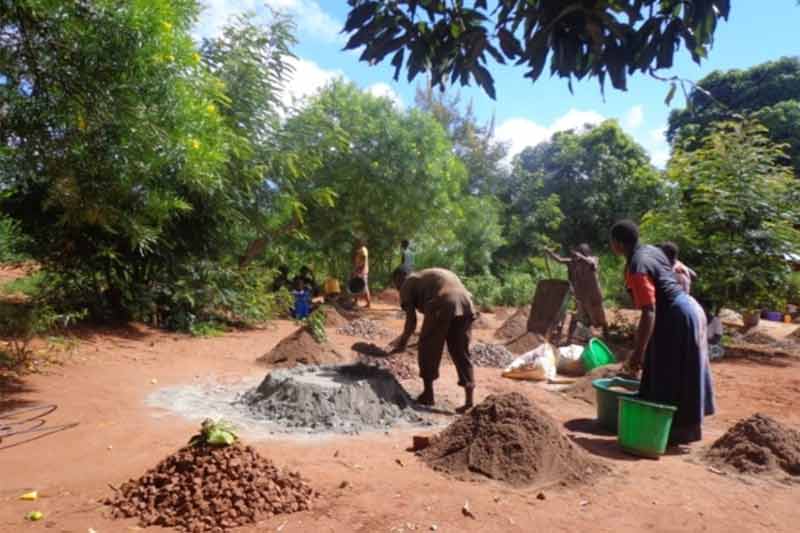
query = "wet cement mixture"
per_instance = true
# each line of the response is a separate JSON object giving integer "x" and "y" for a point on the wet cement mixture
{"x": 338, "y": 399}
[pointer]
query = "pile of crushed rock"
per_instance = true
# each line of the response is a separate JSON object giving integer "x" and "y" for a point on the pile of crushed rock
{"x": 364, "y": 328}
{"x": 202, "y": 488}
{"x": 490, "y": 355}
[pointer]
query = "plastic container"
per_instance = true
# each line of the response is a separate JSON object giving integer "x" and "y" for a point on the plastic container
{"x": 772, "y": 316}
{"x": 356, "y": 285}
{"x": 596, "y": 354}
{"x": 608, "y": 400}
{"x": 644, "y": 427}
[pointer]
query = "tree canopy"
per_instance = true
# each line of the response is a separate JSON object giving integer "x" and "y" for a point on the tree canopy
{"x": 394, "y": 173}
{"x": 119, "y": 157}
{"x": 769, "y": 92}
{"x": 733, "y": 210}
{"x": 455, "y": 41}
{"x": 572, "y": 188}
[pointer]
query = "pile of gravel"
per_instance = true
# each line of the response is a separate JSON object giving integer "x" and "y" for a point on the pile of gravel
{"x": 203, "y": 488}
{"x": 491, "y": 355}
{"x": 364, "y": 328}
{"x": 342, "y": 399}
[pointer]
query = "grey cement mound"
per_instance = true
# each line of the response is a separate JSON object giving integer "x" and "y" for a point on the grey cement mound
{"x": 341, "y": 399}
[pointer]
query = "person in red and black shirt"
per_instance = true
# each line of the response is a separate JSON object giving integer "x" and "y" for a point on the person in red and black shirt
{"x": 671, "y": 346}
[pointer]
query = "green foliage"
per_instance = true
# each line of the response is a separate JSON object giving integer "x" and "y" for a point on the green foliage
{"x": 12, "y": 241}
{"x": 316, "y": 324}
{"x": 582, "y": 39}
{"x": 769, "y": 93}
{"x": 734, "y": 216}
{"x": 21, "y": 322}
{"x": 394, "y": 174}
{"x": 794, "y": 289}
{"x": 217, "y": 433}
{"x": 127, "y": 158}
{"x": 473, "y": 143}
{"x": 29, "y": 285}
{"x": 573, "y": 188}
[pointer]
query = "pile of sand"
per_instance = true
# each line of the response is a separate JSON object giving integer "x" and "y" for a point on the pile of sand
{"x": 482, "y": 322}
{"x": 203, "y": 488}
{"x": 507, "y": 438}
{"x": 403, "y": 365}
{"x": 758, "y": 445}
{"x": 582, "y": 389}
{"x": 389, "y": 296}
{"x": 525, "y": 343}
{"x": 300, "y": 348}
{"x": 333, "y": 318}
{"x": 516, "y": 325}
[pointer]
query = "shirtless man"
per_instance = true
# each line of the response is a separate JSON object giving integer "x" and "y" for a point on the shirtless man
{"x": 440, "y": 296}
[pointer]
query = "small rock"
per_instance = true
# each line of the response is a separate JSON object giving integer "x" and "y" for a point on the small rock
{"x": 344, "y": 484}
{"x": 584, "y": 503}
{"x": 434, "y": 527}
{"x": 541, "y": 496}
{"x": 154, "y": 381}
{"x": 398, "y": 461}
{"x": 466, "y": 511}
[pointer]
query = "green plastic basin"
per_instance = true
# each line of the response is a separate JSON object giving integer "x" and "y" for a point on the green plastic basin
{"x": 608, "y": 400}
{"x": 644, "y": 427}
{"x": 596, "y": 354}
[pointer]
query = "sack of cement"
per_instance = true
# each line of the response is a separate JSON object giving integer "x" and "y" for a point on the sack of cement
{"x": 537, "y": 365}
{"x": 569, "y": 360}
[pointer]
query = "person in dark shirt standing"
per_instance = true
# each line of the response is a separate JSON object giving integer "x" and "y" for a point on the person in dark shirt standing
{"x": 447, "y": 305}
{"x": 582, "y": 269}
{"x": 671, "y": 345}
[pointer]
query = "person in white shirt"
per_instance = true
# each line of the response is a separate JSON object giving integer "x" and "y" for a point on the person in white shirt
{"x": 408, "y": 257}
{"x": 715, "y": 333}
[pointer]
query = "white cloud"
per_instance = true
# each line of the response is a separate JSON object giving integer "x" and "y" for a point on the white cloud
{"x": 311, "y": 19}
{"x": 634, "y": 117}
{"x": 576, "y": 119}
{"x": 307, "y": 79}
{"x": 385, "y": 90}
{"x": 216, "y": 14}
{"x": 521, "y": 132}
{"x": 657, "y": 146}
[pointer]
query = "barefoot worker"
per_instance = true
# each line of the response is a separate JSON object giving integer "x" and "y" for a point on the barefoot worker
{"x": 447, "y": 305}
{"x": 671, "y": 339}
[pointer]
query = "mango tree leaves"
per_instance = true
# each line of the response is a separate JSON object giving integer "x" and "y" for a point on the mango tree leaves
{"x": 454, "y": 42}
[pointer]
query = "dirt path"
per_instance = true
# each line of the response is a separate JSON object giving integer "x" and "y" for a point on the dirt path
{"x": 104, "y": 385}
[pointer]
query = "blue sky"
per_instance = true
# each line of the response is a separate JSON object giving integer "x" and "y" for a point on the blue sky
{"x": 528, "y": 113}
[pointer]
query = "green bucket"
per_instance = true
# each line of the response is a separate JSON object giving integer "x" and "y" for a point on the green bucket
{"x": 596, "y": 354}
{"x": 644, "y": 427}
{"x": 608, "y": 400}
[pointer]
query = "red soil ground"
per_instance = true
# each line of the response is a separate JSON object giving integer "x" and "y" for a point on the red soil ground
{"x": 369, "y": 482}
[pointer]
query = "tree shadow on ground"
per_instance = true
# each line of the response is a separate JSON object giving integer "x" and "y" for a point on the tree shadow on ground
{"x": 11, "y": 387}
{"x": 766, "y": 356}
{"x": 607, "y": 448}
{"x": 602, "y": 442}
